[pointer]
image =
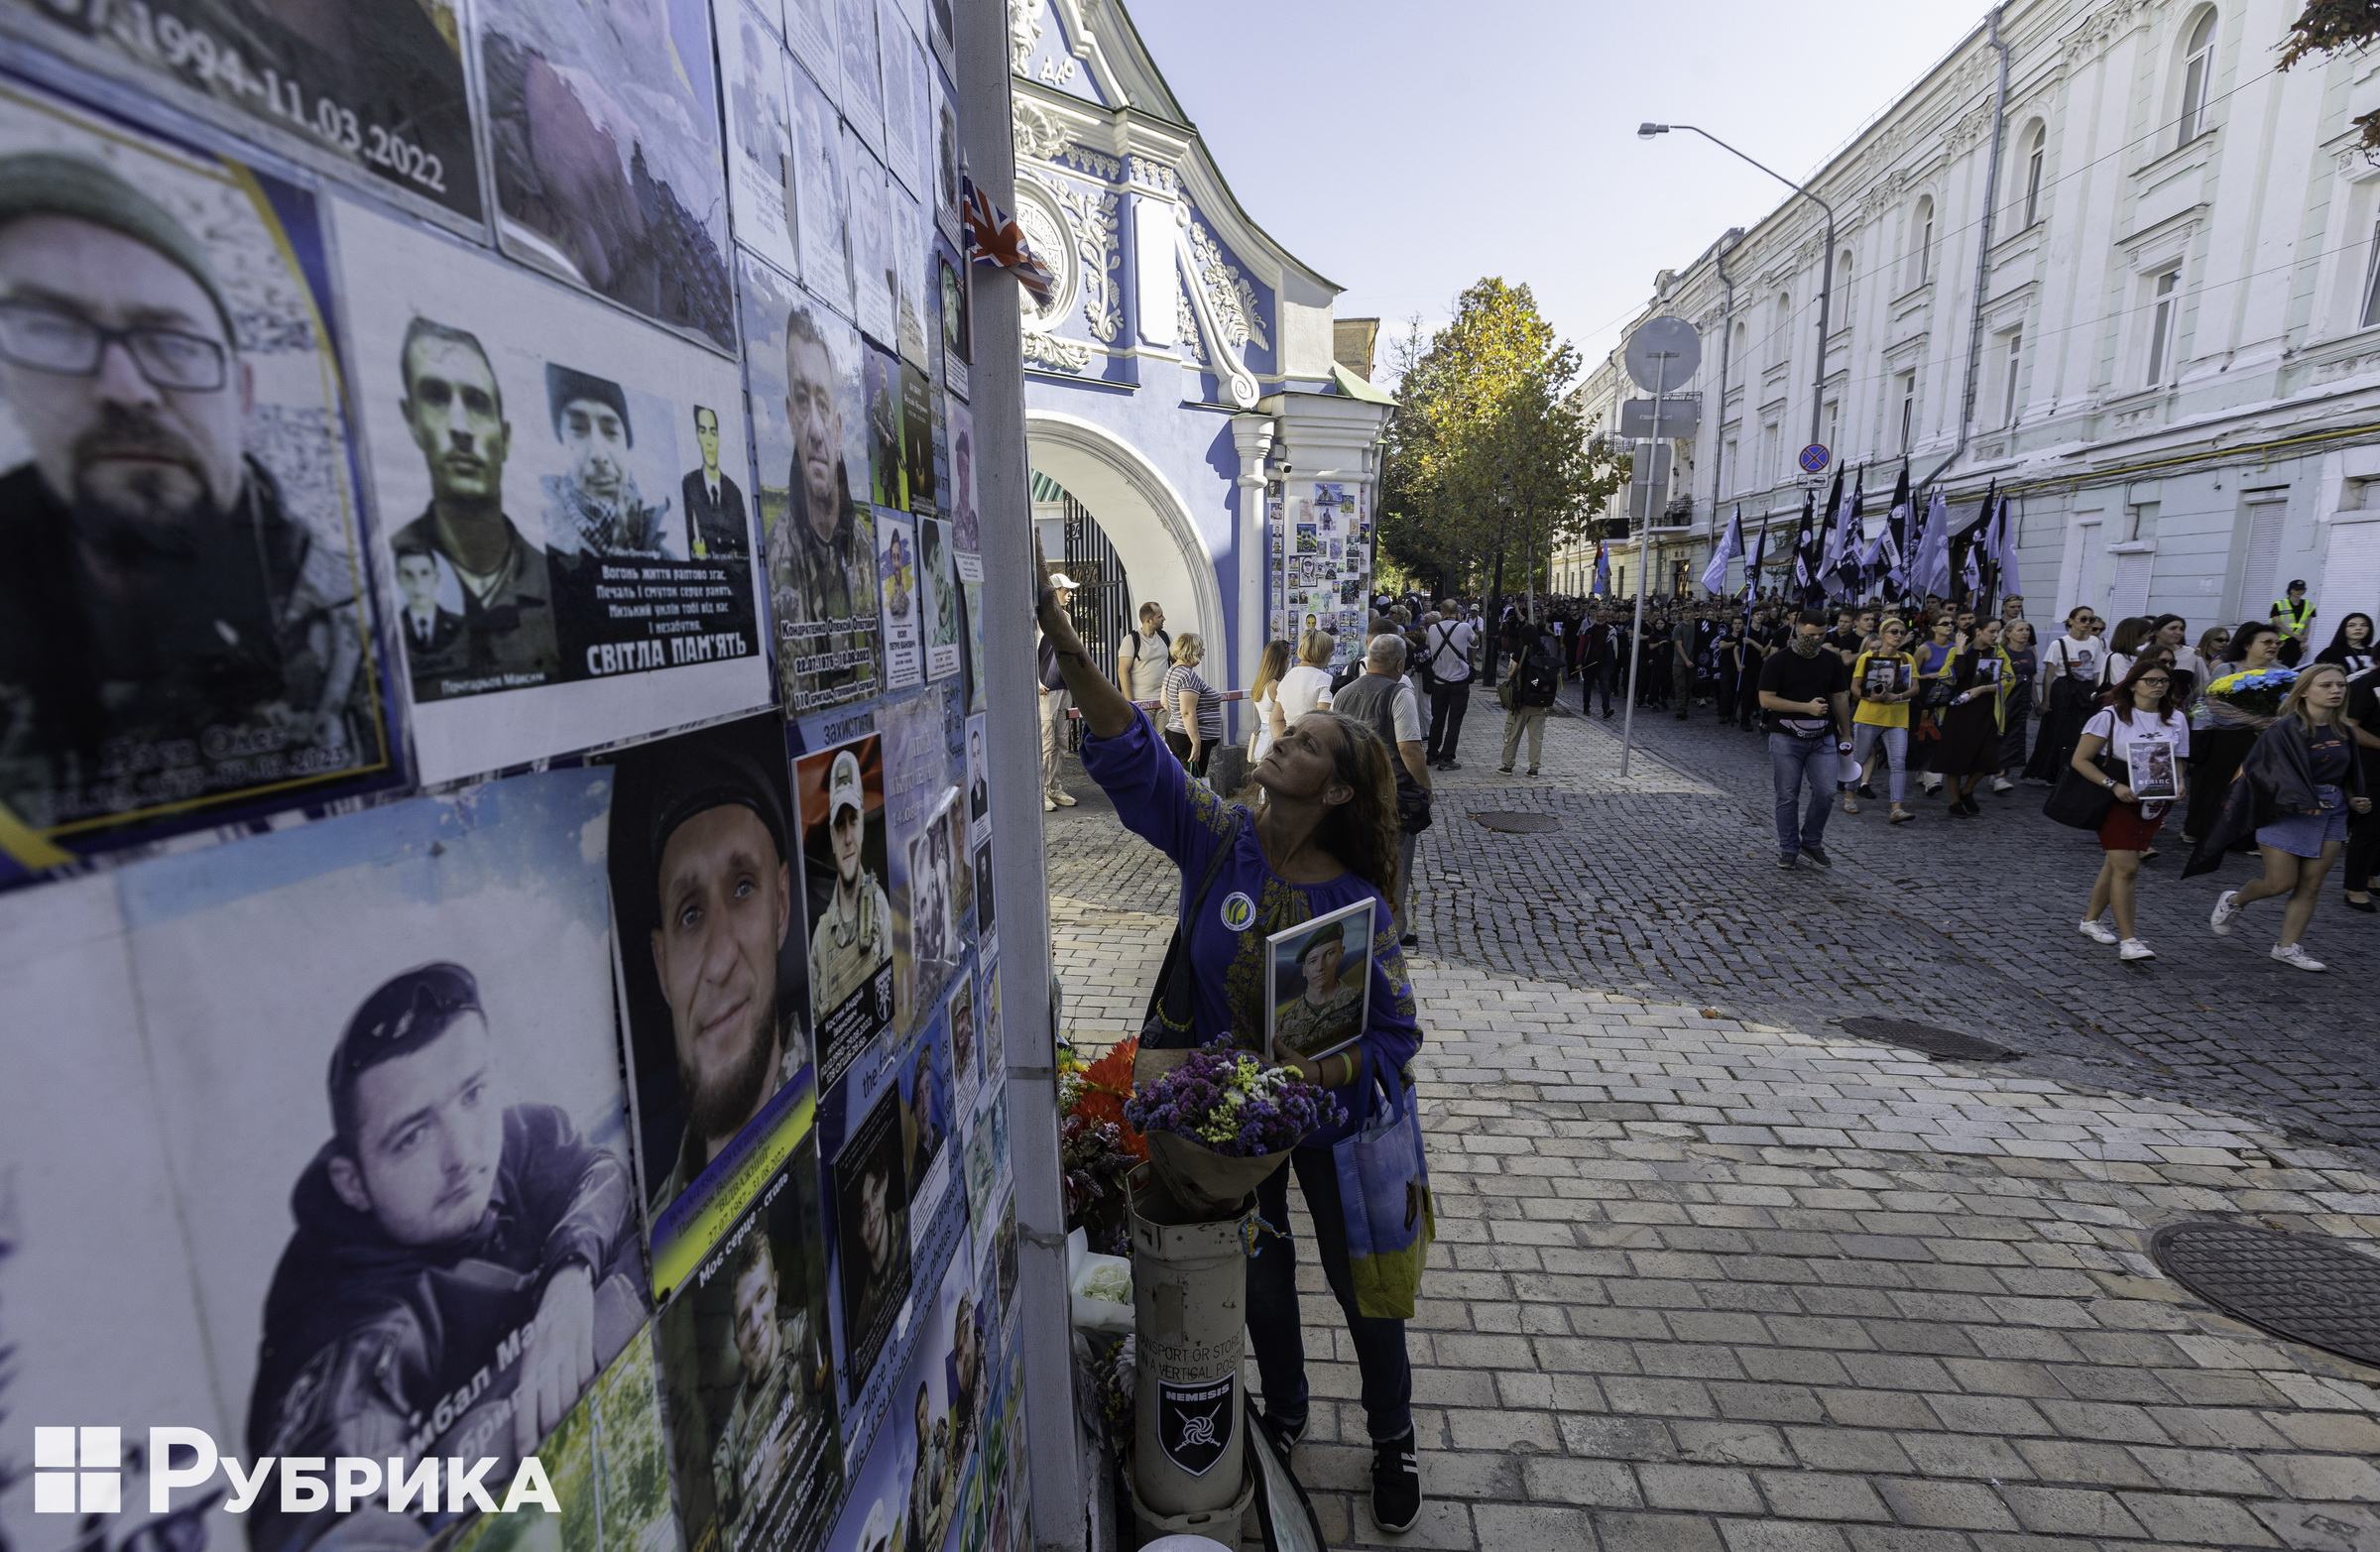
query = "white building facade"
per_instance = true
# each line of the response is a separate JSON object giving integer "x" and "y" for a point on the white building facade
{"x": 2138, "y": 286}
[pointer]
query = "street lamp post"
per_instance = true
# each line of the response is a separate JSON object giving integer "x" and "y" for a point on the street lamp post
{"x": 1826, "y": 285}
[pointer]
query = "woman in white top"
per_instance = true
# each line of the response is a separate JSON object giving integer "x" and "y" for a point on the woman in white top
{"x": 2068, "y": 689}
{"x": 2142, "y": 730}
{"x": 1264, "y": 695}
{"x": 1307, "y": 686}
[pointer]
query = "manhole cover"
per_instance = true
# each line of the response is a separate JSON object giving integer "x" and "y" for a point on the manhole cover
{"x": 1519, "y": 823}
{"x": 2297, "y": 1285}
{"x": 1949, "y": 1043}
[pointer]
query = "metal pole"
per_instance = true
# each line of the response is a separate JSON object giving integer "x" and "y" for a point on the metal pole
{"x": 1627, "y": 722}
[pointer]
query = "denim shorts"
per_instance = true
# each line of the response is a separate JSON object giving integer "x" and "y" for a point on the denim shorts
{"x": 2303, "y": 835}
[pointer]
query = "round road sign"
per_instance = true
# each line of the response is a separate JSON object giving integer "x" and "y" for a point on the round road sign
{"x": 1663, "y": 354}
{"x": 1814, "y": 458}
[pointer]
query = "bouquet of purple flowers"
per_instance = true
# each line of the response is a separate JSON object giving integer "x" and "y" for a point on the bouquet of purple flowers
{"x": 1222, "y": 1121}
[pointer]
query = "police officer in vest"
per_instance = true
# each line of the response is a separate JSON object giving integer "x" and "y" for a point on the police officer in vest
{"x": 2293, "y": 617}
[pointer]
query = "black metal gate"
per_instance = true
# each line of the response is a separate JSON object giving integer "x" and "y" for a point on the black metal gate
{"x": 1103, "y": 599}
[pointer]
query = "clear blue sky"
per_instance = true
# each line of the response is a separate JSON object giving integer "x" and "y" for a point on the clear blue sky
{"x": 1406, "y": 150}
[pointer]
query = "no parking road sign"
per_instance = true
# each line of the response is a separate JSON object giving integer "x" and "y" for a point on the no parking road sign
{"x": 1814, "y": 458}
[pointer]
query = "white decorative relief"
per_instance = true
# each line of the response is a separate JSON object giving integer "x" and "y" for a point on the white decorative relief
{"x": 1040, "y": 134}
{"x": 1185, "y": 325}
{"x": 1024, "y": 33}
{"x": 1048, "y": 350}
{"x": 1226, "y": 291}
{"x": 1093, "y": 219}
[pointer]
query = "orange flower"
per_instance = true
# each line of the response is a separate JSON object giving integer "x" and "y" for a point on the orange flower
{"x": 1106, "y": 1084}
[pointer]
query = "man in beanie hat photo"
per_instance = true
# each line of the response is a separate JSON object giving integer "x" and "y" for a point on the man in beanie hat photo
{"x": 168, "y": 630}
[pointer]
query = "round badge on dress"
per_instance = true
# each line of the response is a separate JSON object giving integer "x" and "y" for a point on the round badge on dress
{"x": 1237, "y": 912}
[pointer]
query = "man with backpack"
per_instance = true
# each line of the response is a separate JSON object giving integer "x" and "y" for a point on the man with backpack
{"x": 1446, "y": 663}
{"x": 1529, "y": 693}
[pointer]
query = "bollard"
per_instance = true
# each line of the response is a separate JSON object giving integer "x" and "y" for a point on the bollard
{"x": 1189, "y": 1305}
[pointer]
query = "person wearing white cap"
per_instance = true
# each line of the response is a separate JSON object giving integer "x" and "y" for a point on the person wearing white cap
{"x": 854, "y": 935}
{"x": 1056, "y": 700}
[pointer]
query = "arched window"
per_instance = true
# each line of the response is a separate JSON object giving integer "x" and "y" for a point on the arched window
{"x": 2036, "y": 155}
{"x": 2198, "y": 76}
{"x": 1780, "y": 334}
{"x": 1921, "y": 242}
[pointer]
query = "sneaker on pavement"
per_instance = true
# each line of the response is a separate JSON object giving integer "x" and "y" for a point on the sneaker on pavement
{"x": 1065, "y": 799}
{"x": 2002, "y": 785}
{"x": 1395, "y": 1484}
{"x": 2293, "y": 955}
{"x": 1451, "y": 764}
{"x": 1817, "y": 855}
{"x": 1787, "y": 860}
{"x": 1505, "y": 770}
{"x": 2134, "y": 949}
{"x": 2227, "y": 911}
{"x": 1533, "y": 772}
{"x": 1047, "y": 806}
{"x": 1286, "y": 1430}
{"x": 2099, "y": 932}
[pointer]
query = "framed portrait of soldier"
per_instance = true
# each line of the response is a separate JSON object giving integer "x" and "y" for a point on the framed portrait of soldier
{"x": 839, "y": 795}
{"x": 708, "y": 901}
{"x": 560, "y": 504}
{"x": 924, "y": 1080}
{"x": 810, "y": 35}
{"x": 620, "y": 189}
{"x": 938, "y": 598}
{"x": 917, "y": 439}
{"x": 897, "y": 573}
{"x": 809, "y": 436}
{"x": 966, "y": 529}
{"x": 862, "y": 95}
{"x": 822, "y": 187}
{"x": 369, "y": 90}
{"x": 897, "y": 53}
{"x": 869, "y": 215}
{"x": 926, "y": 900}
{"x": 1321, "y": 984}
{"x": 761, "y": 159}
{"x": 871, "y": 1186}
{"x": 187, "y": 634}
{"x": 755, "y": 1425}
{"x": 402, "y": 1151}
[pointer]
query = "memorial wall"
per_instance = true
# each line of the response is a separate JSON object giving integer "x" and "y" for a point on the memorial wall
{"x": 500, "y": 1017}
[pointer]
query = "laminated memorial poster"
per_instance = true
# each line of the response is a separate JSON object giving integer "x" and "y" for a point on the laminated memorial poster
{"x": 383, "y": 1181}
{"x": 821, "y": 191}
{"x": 708, "y": 901}
{"x": 860, "y": 88}
{"x": 907, "y": 1491}
{"x": 869, "y": 215}
{"x": 604, "y": 131}
{"x": 809, "y": 436}
{"x": 839, "y": 795}
{"x": 896, "y": 587}
{"x": 1321, "y": 978}
{"x": 222, "y": 660}
{"x": 938, "y": 598}
{"x": 759, "y": 133}
{"x": 530, "y": 452}
{"x": 374, "y": 87}
{"x": 810, "y": 33}
{"x": 755, "y": 1432}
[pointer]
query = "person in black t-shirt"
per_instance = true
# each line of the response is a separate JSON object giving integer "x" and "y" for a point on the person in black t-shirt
{"x": 1805, "y": 696}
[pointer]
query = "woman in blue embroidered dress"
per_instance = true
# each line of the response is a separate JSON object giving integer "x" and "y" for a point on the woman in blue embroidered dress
{"x": 1326, "y": 838}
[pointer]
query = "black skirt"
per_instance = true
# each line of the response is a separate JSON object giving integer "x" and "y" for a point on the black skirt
{"x": 2071, "y": 705}
{"x": 1971, "y": 740}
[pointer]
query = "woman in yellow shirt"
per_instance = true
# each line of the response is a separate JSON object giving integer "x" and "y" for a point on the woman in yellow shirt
{"x": 1883, "y": 682}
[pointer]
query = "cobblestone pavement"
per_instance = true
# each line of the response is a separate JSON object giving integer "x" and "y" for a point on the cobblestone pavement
{"x": 1715, "y": 1276}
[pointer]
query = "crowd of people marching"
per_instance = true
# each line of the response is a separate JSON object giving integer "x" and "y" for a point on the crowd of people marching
{"x": 2255, "y": 739}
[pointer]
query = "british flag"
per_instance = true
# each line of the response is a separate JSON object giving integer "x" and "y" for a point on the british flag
{"x": 996, "y": 239}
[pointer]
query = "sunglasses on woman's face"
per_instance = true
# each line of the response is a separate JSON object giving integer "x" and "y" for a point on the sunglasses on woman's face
{"x": 2152, "y": 678}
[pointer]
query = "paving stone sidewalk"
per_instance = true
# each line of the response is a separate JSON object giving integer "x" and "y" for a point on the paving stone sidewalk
{"x": 1715, "y": 1276}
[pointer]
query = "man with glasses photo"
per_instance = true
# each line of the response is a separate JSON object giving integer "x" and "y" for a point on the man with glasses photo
{"x": 162, "y": 615}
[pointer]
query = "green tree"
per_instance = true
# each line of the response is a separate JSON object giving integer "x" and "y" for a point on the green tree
{"x": 1487, "y": 467}
{"x": 2329, "y": 27}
